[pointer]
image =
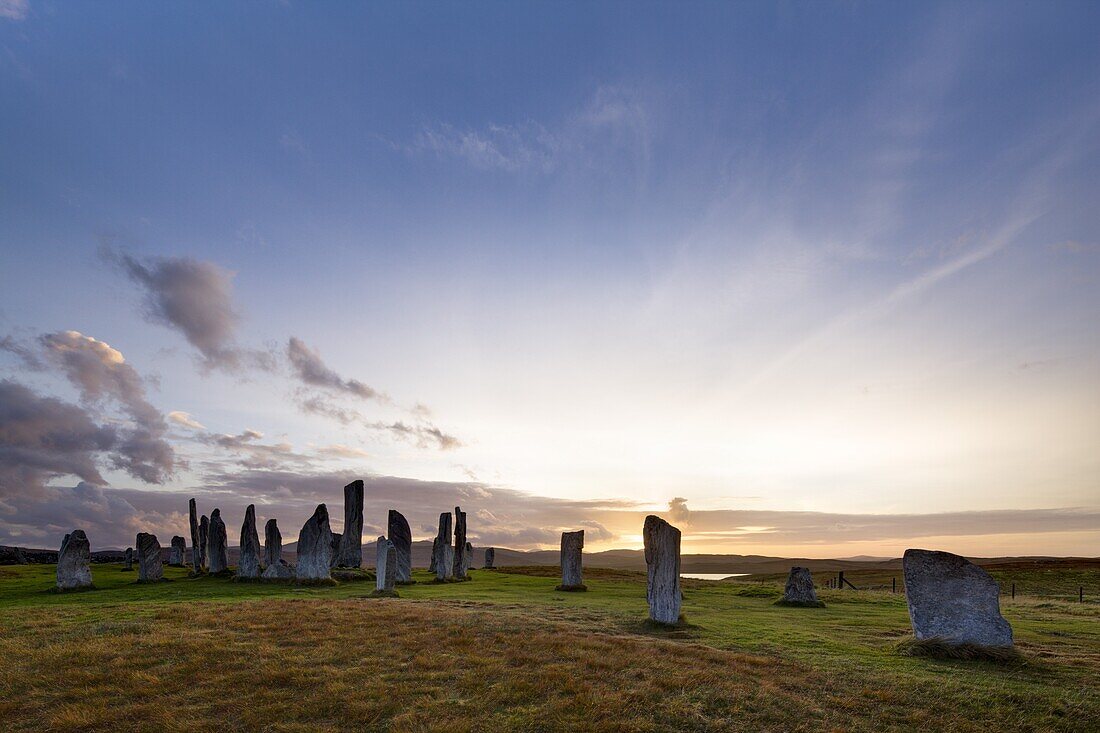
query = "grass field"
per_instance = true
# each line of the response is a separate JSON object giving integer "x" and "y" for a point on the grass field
{"x": 507, "y": 652}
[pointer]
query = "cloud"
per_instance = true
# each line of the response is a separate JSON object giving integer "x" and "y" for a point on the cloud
{"x": 252, "y": 454}
{"x": 14, "y": 9}
{"x": 423, "y": 436}
{"x": 678, "y": 510}
{"x": 502, "y": 147}
{"x": 25, "y": 354}
{"x": 310, "y": 369}
{"x": 101, "y": 374}
{"x": 339, "y": 450}
{"x": 194, "y": 297}
{"x": 184, "y": 419}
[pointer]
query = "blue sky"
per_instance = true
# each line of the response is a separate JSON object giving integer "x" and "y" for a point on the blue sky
{"x": 830, "y": 258}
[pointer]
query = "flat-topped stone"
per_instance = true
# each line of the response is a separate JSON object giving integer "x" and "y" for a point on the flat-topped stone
{"x": 248, "y": 566}
{"x": 662, "y": 559}
{"x": 217, "y": 544}
{"x": 74, "y": 561}
{"x": 385, "y": 567}
{"x": 401, "y": 536}
{"x": 128, "y": 559}
{"x": 315, "y": 547}
{"x": 799, "y": 590}
{"x": 178, "y": 552}
{"x": 572, "y": 543}
{"x": 953, "y": 600}
{"x": 148, "y": 555}
{"x": 490, "y": 558}
{"x": 350, "y": 551}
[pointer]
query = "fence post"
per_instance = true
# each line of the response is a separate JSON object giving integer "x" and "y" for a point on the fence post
{"x": 840, "y": 580}
{"x": 893, "y": 585}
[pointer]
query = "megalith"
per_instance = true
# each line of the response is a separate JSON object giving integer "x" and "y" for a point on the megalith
{"x": 385, "y": 567}
{"x": 401, "y": 536}
{"x": 444, "y": 568}
{"x": 193, "y": 520}
{"x": 571, "y": 545}
{"x": 435, "y": 553}
{"x": 460, "y": 559}
{"x": 128, "y": 559}
{"x": 148, "y": 555}
{"x": 275, "y": 567}
{"x": 217, "y": 544}
{"x": 248, "y": 566}
{"x": 334, "y": 554}
{"x": 351, "y": 542}
{"x": 799, "y": 590}
{"x": 315, "y": 547}
{"x": 178, "y": 551}
{"x": 662, "y": 559}
{"x": 74, "y": 561}
{"x": 204, "y": 536}
{"x": 490, "y": 558}
{"x": 953, "y": 600}
{"x": 439, "y": 551}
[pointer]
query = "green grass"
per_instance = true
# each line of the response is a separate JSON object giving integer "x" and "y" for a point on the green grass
{"x": 507, "y": 651}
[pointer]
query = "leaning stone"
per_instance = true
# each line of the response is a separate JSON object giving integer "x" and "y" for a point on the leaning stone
{"x": 74, "y": 562}
{"x": 490, "y": 558}
{"x": 800, "y": 590}
{"x": 204, "y": 536}
{"x": 248, "y": 566}
{"x": 128, "y": 559}
{"x": 193, "y": 520}
{"x": 385, "y": 568}
{"x": 953, "y": 600}
{"x": 401, "y": 536}
{"x": 662, "y": 559}
{"x": 178, "y": 552}
{"x": 571, "y": 545}
{"x": 461, "y": 562}
{"x": 350, "y": 552}
{"x": 217, "y": 545}
{"x": 148, "y": 554}
{"x": 315, "y": 547}
{"x": 273, "y": 543}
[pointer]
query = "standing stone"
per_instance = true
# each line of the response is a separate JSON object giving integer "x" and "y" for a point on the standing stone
{"x": 351, "y": 543}
{"x": 204, "y": 536}
{"x": 460, "y": 560}
{"x": 217, "y": 545}
{"x": 571, "y": 545}
{"x": 128, "y": 559}
{"x": 953, "y": 600}
{"x": 148, "y": 554}
{"x": 275, "y": 567}
{"x": 662, "y": 559}
{"x": 490, "y": 557}
{"x": 315, "y": 547}
{"x": 178, "y": 552}
{"x": 467, "y": 558}
{"x": 248, "y": 566}
{"x": 439, "y": 548}
{"x": 800, "y": 590}
{"x": 74, "y": 561}
{"x": 435, "y": 554}
{"x": 335, "y": 554}
{"x": 444, "y": 569}
{"x": 401, "y": 537}
{"x": 193, "y": 519}
{"x": 385, "y": 567}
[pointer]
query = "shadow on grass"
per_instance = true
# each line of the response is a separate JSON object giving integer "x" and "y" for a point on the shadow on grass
{"x": 943, "y": 649}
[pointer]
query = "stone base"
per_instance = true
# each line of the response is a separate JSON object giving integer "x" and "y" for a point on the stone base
{"x": 153, "y": 582}
{"x": 315, "y": 581}
{"x": 800, "y": 604}
{"x": 78, "y": 589}
{"x": 353, "y": 576}
{"x": 384, "y": 594}
{"x": 946, "y": 649}
{"x": 227, "y": 573}
{"x": 406, "y": 582}
{"x": 680, "y": 625}
{"x": 572, "y": 588}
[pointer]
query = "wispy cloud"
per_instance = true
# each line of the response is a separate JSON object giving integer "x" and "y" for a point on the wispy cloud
{"x": 14, "y": 9}
{"x": 308, "y": 367}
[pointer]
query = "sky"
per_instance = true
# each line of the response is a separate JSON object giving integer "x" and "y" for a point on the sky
{"x": 806, "y": 279}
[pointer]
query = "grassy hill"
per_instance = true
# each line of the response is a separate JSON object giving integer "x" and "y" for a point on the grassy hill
{"x": 507, "y": 652}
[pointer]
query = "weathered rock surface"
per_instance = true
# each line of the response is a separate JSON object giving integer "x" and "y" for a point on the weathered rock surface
{"x": 490, "y": 557}
{"x": 248, "y": 566}
{"x": 193, "y": 520}
{"x": 662, "y": 559}
{"x": 442, "y": 540}
{"x": 953, "y": 600}
{"x": 217, "y": 545}
{"x": 435, "y": 554}
{"x": 350, "y": 552}
{"x": 401, "y": 537}
{"x": 178, "y": 552}
{"x": 74, "y": 561}
{"x": 444, "y": 569}
{"x": 385, "y": 566}
{"x": 148, "y": 555}
{"x": 799, "y": 590}
{"x": 315, "y": 547}
{"x": 335, "y": 554}
{"x": 128, "y": 559}
{"x": 204, "y": 536}
{"x": 461, "y": 561}
{"x": 273, "y": 543}
{"x": 571, "y": 545}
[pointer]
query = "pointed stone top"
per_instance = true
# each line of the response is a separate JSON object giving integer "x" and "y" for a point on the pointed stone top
{"x": 216, "y": 513}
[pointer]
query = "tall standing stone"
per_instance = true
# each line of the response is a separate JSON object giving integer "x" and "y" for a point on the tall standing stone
{"x": 204, "y": 537}
{"x": 351, "y": 543}
{"x": 334, "y": 556}
{"x": 490, "y": 558}
{"x": 217, "y": 544}
{"x": 385, "y": 567}
{"x": 799, "y": 590}
{"x": 193, "y": 520}
{"x": 662, "y": 559}
{"x": 435, "y": 555}
{"x": 248, "y": 566}
{"x": 439, "y": 549}
{"x": 401, "y": 536}
{"x": 74, "y": 561}
{"x": 128, "y": 559}
{"x": 953, "y": 600}
{"x": 460, "y": 560}
{"x": 178, "y": 553}
{"x": 315, "y": 547}
{"x": 444, "y": 568}
{"x": 571, "y": 545}
{"x": 148, "y": 553}
{"x": 275, "y": 567}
